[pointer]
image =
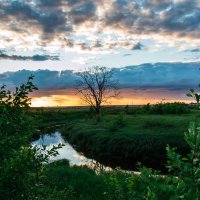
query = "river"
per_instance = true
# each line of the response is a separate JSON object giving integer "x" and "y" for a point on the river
{"x": 66, "y": 152}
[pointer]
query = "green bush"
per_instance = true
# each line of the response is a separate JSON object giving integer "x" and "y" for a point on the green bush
{"x": 21, "y": 164}
{"x": 183, "y": 183}
{"x": 166, "y": 108}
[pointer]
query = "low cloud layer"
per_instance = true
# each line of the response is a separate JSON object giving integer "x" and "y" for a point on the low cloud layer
{"x": 4, "y": 56}
{"x": 171, "y": 76}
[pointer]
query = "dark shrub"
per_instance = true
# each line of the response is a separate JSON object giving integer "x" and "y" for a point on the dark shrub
{"x": 166, "y": 108}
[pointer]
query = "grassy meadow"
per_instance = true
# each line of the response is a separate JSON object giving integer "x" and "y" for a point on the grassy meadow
{"x": 118, "y": 138}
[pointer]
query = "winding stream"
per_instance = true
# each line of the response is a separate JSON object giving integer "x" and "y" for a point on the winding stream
{"x": 66, "y": 152}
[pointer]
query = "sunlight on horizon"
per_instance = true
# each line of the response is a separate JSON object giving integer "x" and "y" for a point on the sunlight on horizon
{"x": 56, "y": 100}
{"x": 76, "y": 101}
{"x": 128, "y": 96}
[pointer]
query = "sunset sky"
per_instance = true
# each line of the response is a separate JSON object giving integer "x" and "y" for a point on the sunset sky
{"x": 152, "y": 46}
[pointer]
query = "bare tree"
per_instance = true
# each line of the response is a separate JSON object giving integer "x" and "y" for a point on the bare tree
{"x": 97, "y": 87}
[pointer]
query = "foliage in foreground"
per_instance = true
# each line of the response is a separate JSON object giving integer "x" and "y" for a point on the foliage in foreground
{"x": 82, "y": 183}
{"x": 21, "y": 164}
{"x": 183, "y": 183}
{"x": 26, "y": 174}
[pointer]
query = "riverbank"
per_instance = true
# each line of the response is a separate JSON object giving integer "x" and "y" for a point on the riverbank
{"x": 84, "y": 184}
{"x": 59, "y": 180}
{"x": 121, "y": 140}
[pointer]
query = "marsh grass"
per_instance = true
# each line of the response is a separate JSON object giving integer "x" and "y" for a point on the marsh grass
{"x": 124, "y": 139}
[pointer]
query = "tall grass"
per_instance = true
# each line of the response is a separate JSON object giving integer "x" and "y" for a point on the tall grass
{"x": 123, "y": 140}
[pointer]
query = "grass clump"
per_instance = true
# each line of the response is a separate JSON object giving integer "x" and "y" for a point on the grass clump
{"x": 118, "y": 122}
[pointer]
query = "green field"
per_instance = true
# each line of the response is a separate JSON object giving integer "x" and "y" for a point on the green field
{"x": 118, "y": 139}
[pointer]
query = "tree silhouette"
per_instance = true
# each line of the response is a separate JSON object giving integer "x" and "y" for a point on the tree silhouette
{"x": 97, "y": 87}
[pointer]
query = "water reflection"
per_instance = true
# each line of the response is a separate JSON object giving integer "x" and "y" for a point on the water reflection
{"x": 69, "y": 153}
{"x": 66, "y": 152}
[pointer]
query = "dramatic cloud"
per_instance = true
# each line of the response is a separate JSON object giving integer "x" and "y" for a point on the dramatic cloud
{"x": 85, "y": 11}
{"x": 24, "y": 14}
{"x": 100, "y": 32}
{"x": 4, "y": 56}
{"x": 172, "y": 76}
{"x": 44, "y": 79}
{"x": 178, "y": 18}
{"x": 96, "y": 24}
